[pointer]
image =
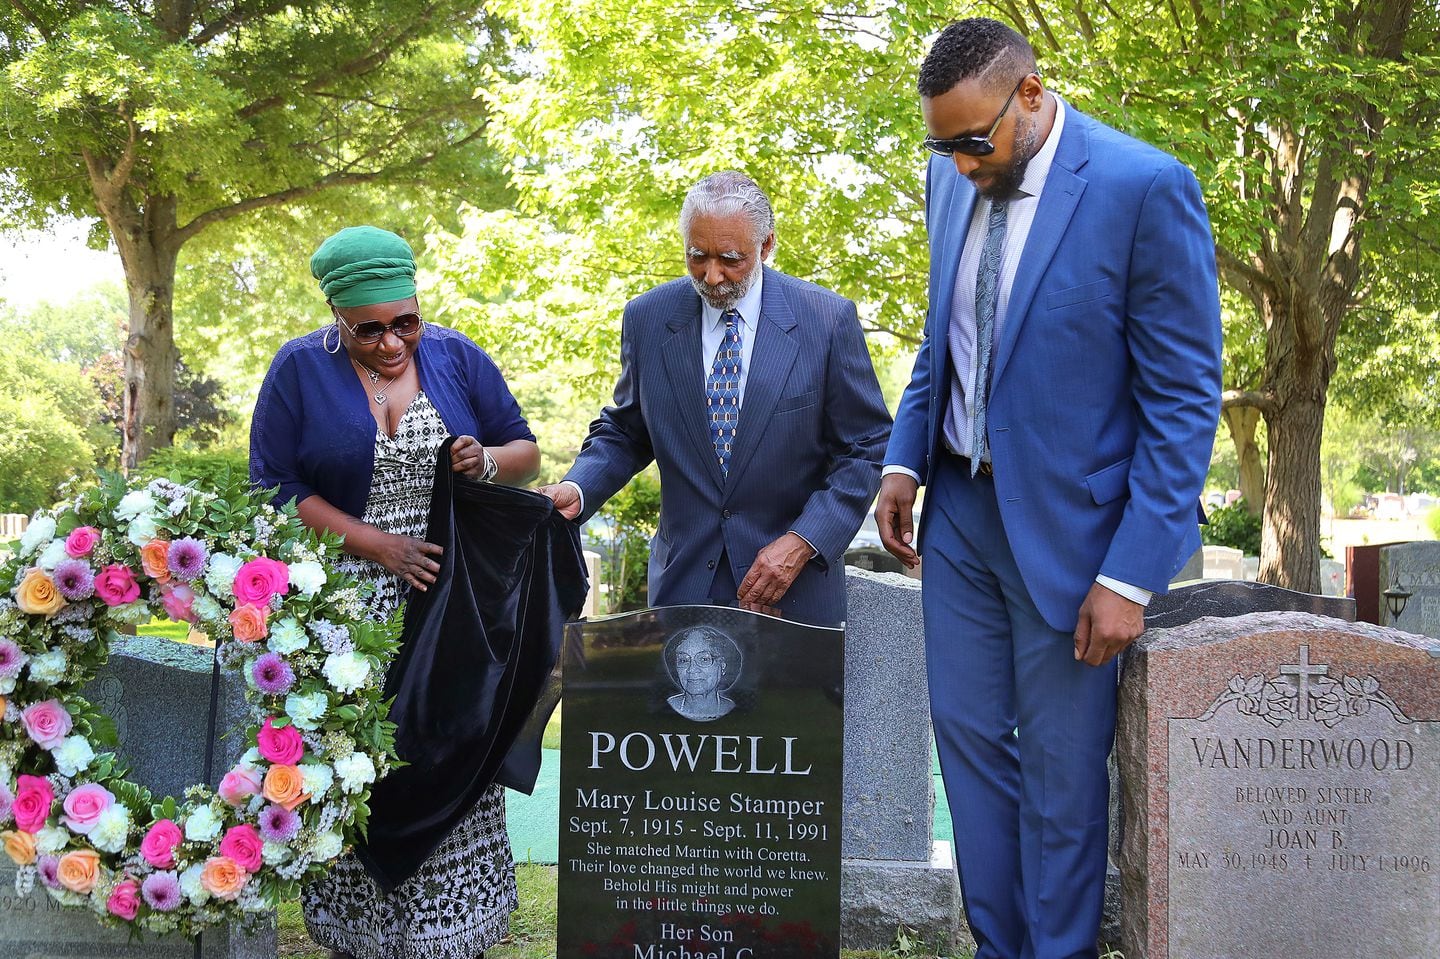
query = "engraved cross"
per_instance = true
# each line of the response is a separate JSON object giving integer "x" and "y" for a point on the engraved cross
{"x": 1303, "y": 671}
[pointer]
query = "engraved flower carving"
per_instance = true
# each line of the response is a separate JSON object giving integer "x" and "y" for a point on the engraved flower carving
{"x": 1358, "y": 694}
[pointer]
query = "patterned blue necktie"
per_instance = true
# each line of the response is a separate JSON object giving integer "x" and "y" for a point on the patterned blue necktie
{"x": 987, "y": 295}
{"x": 722, "y": 392}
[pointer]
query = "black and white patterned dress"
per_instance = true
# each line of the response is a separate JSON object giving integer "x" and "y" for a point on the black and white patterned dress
{"x": 459, "y": 903}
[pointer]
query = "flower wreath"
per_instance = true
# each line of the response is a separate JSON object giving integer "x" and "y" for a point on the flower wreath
{"x": 254, "y": 578}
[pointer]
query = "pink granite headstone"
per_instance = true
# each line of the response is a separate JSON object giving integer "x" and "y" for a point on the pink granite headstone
{"x": 1281, "y": 791}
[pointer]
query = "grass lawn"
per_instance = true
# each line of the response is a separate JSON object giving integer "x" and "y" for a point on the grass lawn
{"x": 532, "y": 927}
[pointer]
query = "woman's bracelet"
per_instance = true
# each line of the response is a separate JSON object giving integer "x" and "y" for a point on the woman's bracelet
{"x": 491, "y": 467}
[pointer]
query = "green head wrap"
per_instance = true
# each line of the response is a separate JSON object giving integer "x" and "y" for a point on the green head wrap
{"x": 362, "y": 265}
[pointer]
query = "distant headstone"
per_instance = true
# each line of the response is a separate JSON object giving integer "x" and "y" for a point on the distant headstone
{"x": 700, "y": 787}
{"x": 158, "y": 692}
{"x": 1362, "y": 580}
{"x": 1224, "y": 562}
{"x": 1332, "y": 577}
{"x": 1188, "y": 603}
{"x": 1416, "y": 566}
{"x": 1281, "y": 790}
{"x": 893, "y": 871}
{"x": 1194, "y": 568}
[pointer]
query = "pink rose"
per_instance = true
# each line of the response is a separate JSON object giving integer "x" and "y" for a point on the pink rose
{"x": 244, "y": 845}
{"x": 116, "y": 585}
{"x": 178, "y": 601}
{"x": 33, "y": 799}
{"x": 260, "y": 579}
{"x": 84, "y": 805}
{"x": 158, "y": 846}
{"x": 81, "y": 541}
{"x": 283, "y": 746}
{"x": 240, "y": 784}
{"x": 47, "y": 723}
{"x": 125, "y": 900}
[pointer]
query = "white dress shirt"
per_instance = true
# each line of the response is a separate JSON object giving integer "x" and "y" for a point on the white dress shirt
{"x": 958, "y": 429}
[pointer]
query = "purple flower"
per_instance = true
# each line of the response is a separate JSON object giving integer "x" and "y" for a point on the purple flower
{"x": 186, "y": 558}
{"x": 49, "y": 869}
{"x": 75, "y": 579}
{"x": 161, "y": 891}
{"x": 278, "y": 824}
{"x": 273, "y": 675}
{"x": 12, "y": 660}
{"x": 7, "y": 803}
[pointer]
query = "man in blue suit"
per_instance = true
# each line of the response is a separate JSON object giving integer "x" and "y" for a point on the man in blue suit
{"x": 1061, "y": 414}
{"x": 755, "y": 394}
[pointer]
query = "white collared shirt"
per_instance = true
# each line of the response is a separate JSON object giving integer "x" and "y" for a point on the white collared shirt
{"x": 712, "y": 332}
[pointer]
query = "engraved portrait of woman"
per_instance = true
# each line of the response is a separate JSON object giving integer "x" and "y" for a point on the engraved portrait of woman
{"x": 704, "y": 663}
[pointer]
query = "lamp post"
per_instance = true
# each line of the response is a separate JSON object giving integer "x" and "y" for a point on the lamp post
{"x": 1395, "y": 598}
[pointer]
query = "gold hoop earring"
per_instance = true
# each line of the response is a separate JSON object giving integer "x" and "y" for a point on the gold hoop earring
{"x": 325, "y": 340}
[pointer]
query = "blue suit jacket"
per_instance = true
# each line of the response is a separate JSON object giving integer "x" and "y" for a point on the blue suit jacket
{"x": 813, "y": 426}
{"x": 1105, "y": 388}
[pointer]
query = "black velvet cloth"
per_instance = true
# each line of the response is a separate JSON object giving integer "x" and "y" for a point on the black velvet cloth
{"x": 477, "y": 675}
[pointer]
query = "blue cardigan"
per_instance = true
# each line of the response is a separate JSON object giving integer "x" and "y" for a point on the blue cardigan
{"x": 312, "y": 432}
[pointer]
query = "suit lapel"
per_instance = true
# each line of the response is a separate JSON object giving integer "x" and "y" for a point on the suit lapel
{"x": 1061, "y": 196}
{"x": 687, "y": 383}
{"x": 770, "y": 360}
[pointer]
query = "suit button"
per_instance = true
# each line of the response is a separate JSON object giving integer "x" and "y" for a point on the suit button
{"x": 710, "y": 565}
{"x": 725, "y": 514}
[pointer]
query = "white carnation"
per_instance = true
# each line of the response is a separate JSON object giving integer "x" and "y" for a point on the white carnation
{"x": 274, "y": 853}
{"x": 346, "y": 672}
{"x": 40, "y": 530}
{"x": 73, "y": 755}
{"x": 288, "y": 636}
{"x": 142, "y": 530}
{"x": 48, "y": 668}
{"x": 52, "y": 555}
{"x": 207, "y": 609}
{"x": 318, "y": 778}
{"x": 202, "y": 825}
{"x": 220, "y": 576}
{"x": 110, "y": 829}
{"x": 307, "y": 577}
{"x": 135, "y": 503}
{"x": 191, "y": 887}
{"x": 52, "y": 839}
{"x": 306, "y": 709}
{"x": 251, "y": 757}
{"x": 7, "y": 685}
{"x": 327, "y": 846}
{"x": 355, "y": 772}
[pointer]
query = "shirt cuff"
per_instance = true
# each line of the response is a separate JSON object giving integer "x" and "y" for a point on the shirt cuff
{"x": 813, "y": 551}
{"x": 578, "y": 491}
{"x": 1133, "y": 593}
{"x": 896, "y": 468}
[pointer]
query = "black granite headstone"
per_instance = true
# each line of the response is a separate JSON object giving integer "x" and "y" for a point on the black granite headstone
{"x": 700, "y": 787}
{"x": 1227, "y": 597}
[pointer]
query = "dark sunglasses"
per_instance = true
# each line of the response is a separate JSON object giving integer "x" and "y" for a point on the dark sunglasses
{"x": 404, "y": 326}
{"x": 973, "y": 146}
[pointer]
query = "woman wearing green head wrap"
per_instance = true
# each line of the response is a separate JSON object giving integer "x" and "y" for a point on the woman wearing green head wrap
{"x": 349, "y": 423}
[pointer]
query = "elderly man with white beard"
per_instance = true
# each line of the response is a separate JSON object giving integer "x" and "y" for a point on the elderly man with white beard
{"x": 754, "y": 393}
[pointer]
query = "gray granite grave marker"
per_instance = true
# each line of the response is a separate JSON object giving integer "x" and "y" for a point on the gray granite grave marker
{"x": 893, "y": 872}
{"x": 158, "y": 691}
{"x": 1280, "y": 758}
{"x": 1417, "y": 567}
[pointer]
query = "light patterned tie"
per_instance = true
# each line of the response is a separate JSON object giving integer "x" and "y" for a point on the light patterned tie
{"x": 722, "y": 392}
{"x": 987, "y": 295}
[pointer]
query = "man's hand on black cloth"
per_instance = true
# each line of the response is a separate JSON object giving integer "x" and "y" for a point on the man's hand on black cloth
{"x": 565, "y": 497}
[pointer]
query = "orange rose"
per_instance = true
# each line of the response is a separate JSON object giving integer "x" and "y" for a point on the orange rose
{"x": 4, "y": 705}
{"x": 19, "y": 846}
{"x": 284, "y": 785}
{"x": 38, "y": 595}
{"x": 155, "y": 558}
{"x": 248, "y": 623}
{"x": 79, "y": 870}
{"x": 222, "y": 877}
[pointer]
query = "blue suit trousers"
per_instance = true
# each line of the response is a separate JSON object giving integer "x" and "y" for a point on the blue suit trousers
{"x": 1023, "y": 731}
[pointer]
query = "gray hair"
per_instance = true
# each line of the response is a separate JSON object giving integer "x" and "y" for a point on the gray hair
{"x": 726, "y": 194}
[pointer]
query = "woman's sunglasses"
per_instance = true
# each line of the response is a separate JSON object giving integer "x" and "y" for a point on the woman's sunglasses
{"x": 404, "y": 326}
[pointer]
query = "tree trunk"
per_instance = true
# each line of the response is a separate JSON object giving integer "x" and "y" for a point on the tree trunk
{"x": 1242, "y": 421}
{"x": 150, "y": 357}
{"x": 1290, "y": 541}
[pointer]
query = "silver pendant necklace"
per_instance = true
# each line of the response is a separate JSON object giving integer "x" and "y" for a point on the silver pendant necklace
{"x": 379, "y": 394}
